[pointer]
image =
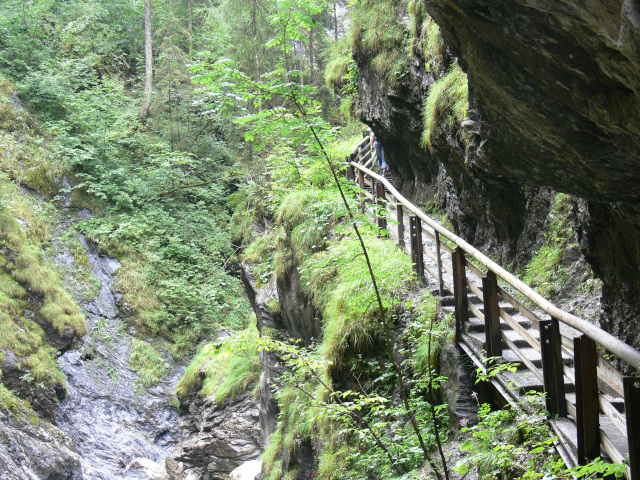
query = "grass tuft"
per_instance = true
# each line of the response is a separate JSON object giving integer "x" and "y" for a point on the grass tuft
{"x": 340, "y": 286}
{"x": 446, "y": 103}
{"x": 43, "y": 368}
{"x": 8, "y": 401}
{"x": 148, "y": 363}
{"x": 223, "y": 372}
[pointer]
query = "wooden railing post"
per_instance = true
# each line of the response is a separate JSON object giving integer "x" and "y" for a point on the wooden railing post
{"x": 439, "y": 258}
{"x": 552, "y": 367}
{"x": 351, "y": 174}
{"x": 362, "y": 194}
{"x": 491, "y": 315}
{"x": 587, "y": 408}
{"x": 400, "y": 220}
{"x": 461, "y": 301}
{"x": 417, "y": 259}
{"x": 632, "y": 411}
{"x": 381, "y": 217}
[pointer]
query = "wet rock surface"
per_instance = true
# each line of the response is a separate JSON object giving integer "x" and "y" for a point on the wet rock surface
{"x": 34, "y": 449}
{"x": 43, "y": 397}
{"x": 110, "y": 418}
{"x": 221, "y": 439}
{"x": 487, "y": 207}
{"x": 557, "y": 92}
{"x": 554, "y": 92}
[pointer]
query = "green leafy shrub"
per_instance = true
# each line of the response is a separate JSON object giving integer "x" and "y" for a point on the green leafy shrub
{"x": 506, "y": 445}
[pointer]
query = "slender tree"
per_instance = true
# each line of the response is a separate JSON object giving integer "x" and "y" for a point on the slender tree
{"x": 148, "y": 62}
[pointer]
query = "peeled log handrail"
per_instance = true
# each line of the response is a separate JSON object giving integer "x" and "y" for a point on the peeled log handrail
{"x": 612, "y": 344}
{"x": 362, "y": 143}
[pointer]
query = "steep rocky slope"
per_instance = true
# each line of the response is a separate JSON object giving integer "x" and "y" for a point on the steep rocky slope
{"x": 554, "y": 104}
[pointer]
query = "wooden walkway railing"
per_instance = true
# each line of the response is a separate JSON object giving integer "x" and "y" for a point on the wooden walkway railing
{"x": 573, "y": 353}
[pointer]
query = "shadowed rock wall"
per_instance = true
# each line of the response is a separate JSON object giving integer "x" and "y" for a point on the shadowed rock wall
{"x": 554, "y": 93}
{"x": 558, "y": 85}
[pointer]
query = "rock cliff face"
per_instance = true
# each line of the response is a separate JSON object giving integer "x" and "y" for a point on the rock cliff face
{"x": 488, "y": 207}
{"x": 558, "y": 87}
{"x": 296, "y": 319}
{"x": 30, "y": 448}
{"x": 555, "y": 104}
{"x": 222, "y": 438}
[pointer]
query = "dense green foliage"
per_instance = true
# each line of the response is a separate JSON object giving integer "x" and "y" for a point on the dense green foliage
{"x": 28, "y": 282}
{"x": 222, "y": 371}
{"x": 170, "y": 237}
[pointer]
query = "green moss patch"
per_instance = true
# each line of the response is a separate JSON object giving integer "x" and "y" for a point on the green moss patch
{"x": 339, "y": 283}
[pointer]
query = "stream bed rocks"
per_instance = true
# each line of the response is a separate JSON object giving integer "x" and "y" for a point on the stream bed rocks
{"x": 222, "y": 437}
{"x": 110, "y": 418}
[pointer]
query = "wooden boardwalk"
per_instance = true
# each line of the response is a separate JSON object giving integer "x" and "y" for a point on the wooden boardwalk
{"x": 594, "y": 409}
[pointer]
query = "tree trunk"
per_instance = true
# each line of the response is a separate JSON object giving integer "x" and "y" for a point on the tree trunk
{"x": 311, "y": 72}
{"x": 335, "y": 21}
{"x": 190, "y": 24}
{"x": 254, "y": 26}
{"x": 148, "y": 62}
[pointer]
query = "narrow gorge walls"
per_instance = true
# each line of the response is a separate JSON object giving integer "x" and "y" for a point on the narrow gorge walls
{"x": 558, "y": 90}
{"x": 554, "y": 105}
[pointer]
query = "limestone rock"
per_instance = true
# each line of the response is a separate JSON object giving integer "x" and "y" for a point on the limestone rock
{"x": 221, "y": 439}
{"x": 247, "y": 471}
{"x": 34, "y": 449}
{"x": 146, "y": 469}
{"x": 557, "y": 85}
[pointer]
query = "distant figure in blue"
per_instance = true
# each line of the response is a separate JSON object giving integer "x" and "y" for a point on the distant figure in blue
{"x": 383, "y": 167}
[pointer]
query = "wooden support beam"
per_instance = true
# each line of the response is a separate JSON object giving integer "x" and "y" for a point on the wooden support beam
{"x": 552, "y": 367}
{"x": 400, "y": 220}
{"x": 491, "y": 315}
{"x": 416, "y": 245}
{"x": 381, "y": 217}
{"x": 361, "y": 185}
{"x": 461, "y": 301}
{"x": 351, "y": 174}
{"x": 632, "y": 410}
{"x": 439, "y": 262}
{"x": 587, "y": 409}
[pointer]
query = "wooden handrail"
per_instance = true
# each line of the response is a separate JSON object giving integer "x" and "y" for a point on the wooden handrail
{"x": 360, "y": 145}
{"x": 614, "y": 345}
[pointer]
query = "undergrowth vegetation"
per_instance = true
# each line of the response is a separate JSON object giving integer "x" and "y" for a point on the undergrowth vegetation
{"x": 513, "y": 443}
{"x": 343, "y": 381}
{"x": 545, "y": 271}
{"x": 222, "y": 371}
{"x": 28, "y": 282}
{"x": 336, "y": 280}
